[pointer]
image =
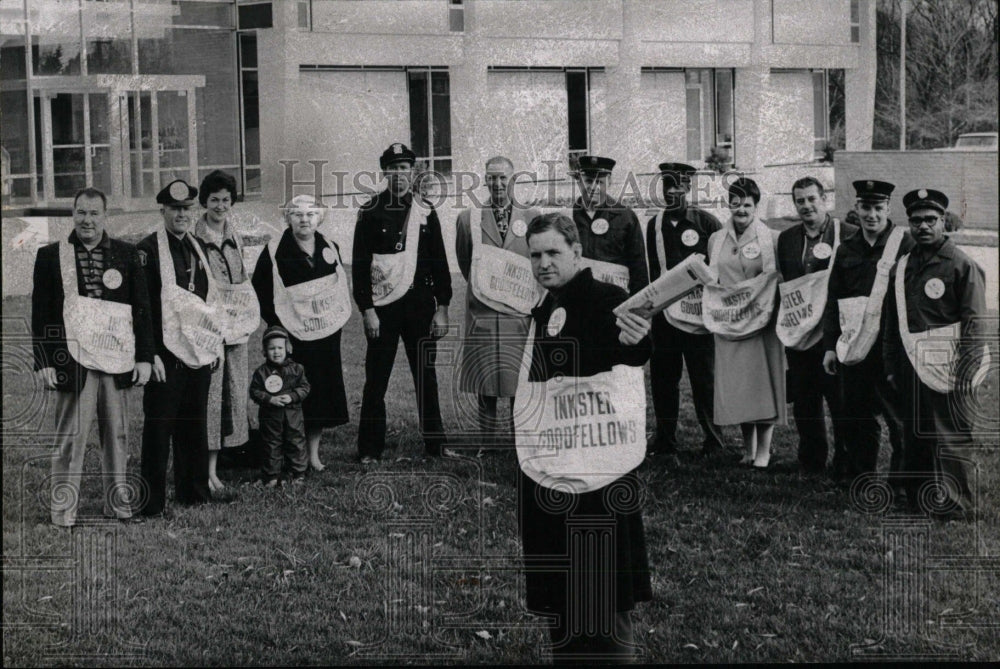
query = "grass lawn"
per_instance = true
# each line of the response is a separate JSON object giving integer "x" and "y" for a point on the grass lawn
{"x": 418, "y": 561}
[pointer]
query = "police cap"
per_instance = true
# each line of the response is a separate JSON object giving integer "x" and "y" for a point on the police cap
{"x": 869, "y": 190}
{"x": 925, "y": 198}
{"x": 677, "y": 173}
{"x": 596, "y": 164}
{"x": 397, "y": 152}
{"x": 177, "y": 193}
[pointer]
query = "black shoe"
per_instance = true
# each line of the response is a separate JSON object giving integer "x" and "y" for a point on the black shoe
{"x": 435, "y": 449}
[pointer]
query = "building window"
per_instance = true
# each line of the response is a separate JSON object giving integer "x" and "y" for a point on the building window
{"x": 709, "y": 103}
{"x": 305, "y": 15}
{"x": 250, "y": 108}
{"x": 855, "y": 21}
{"x": 821, "y": 111}
{"x": 430, "y": 117}
{"x": 456, "y": 16}
{"x": 257, "y": 15}
{"x": 578, "y": 110}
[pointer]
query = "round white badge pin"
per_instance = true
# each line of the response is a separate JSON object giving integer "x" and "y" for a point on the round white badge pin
{"x": 273, "y": 383}
{"x": 934, "y": 288}
{"x": 822, "y": 251}
{"x": 329, "y": 256}
{"x": 599, "y": 226}
{"x": 556, "y": 322}
{"x": 112, "y": 279}
{"x": 689, "y": 237}
{"x": 751, "y": 251}
{"x": 519, "y": 228}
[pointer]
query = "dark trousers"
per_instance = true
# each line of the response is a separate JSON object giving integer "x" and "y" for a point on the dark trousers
{"x": 672, "y": 349}
{"x": 937, "y": 443}
{"x": 283, "y": 431}
{"x": 410, "y": 318}
{"x": 867, "y": 394}
{"x": 808, "y": 385}
{"x": 176, "y": 413}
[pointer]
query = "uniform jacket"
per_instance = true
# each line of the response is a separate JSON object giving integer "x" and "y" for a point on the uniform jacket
{"x": 294, "y": 384}
{"x": 48, "y": 333}
{"x": 853, "y": 275}
{"x": 621, "y": 244}
{"x": 293, "y": 268}
{"x": 588, "y": 342}
{"x": 792, "y": 241}
{"x": 702, "y": 222}
{"x": 149, "y": 256}
{"x": 379, "y": 228}
{"x": 494, "y": 342}
{"x": 964, "y": 301}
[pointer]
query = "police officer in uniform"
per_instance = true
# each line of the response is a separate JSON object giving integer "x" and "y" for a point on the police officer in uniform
{"x": 941, "y": 288}
{"x": 807, "y": 248}
{"x": 402, "y": 285}
{"x": 609, "y": 231}
{"x": 857, "y": 357}
{"x": 671, "y": 236}
{"x": 187, "y": 338}
{"x": 109, "y": 323}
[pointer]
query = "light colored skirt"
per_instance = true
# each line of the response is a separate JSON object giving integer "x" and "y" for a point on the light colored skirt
{"x": 228, "y": 395}
{"x": 750, "y": 380}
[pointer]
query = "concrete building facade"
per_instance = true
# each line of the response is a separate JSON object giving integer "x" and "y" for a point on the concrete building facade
{"x": 128, "y": 94}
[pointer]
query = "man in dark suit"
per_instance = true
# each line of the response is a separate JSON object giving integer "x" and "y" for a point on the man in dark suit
{"x": 807, "y": 248}
{"x": 93, "y": 338}
{"x": 671, "y": 236}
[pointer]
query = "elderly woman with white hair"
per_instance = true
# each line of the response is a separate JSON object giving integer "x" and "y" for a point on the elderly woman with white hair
{"x": 301, "y": 283}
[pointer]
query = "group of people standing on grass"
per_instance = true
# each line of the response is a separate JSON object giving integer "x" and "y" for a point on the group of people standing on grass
{"x": 872, "y": 319}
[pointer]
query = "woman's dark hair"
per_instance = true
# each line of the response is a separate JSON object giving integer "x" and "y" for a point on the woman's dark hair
{"x": 743, "y": 188}
{"x": 555, "y": 221}
{"x": 213, "y": 183}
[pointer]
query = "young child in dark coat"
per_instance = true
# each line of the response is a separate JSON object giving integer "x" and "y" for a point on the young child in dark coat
{"x": 279, "y": 386}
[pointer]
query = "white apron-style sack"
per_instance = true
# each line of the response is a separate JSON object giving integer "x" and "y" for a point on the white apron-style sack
{"x": 741, "y": 311}
{"x": 500, "y": 279}
{"x": 608, "y": 272}
{"x": 192, "y": 327}
{"x": 685, "y": 313}
{"x": 238, "y": 307}
{"x": 99, "y": 333}
{"x": 312, "y": 309}
{"x": 801, "y": 304}
{"x": 933, "y": 353}
{"x": 861, "y": 317}
{"x": 392, "y": 273}
{"x": 579, "y": 434}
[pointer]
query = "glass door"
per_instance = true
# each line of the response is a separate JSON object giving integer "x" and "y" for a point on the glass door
{"x": 158, "y": 144}
{"x": 75, "y": 141}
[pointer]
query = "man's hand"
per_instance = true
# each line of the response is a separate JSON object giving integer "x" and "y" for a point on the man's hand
{"x": 830, "y": 363}
{"x": 633, "y": 328}
{"x": 140, "y": 375}
{"x": 48, "y": 377}
{"x": 371, "y": 323}
{"x": 159, "y": 372}
{"x": 439, "y": 324}
{"x": 891, "y": 378}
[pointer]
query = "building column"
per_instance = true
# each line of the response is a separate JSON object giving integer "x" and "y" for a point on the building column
{"x": 859, "y": 86}
{"x": 469, "y": 147}
{"x": 624, "y": 82}
{"x": 277, "y": 81}
{"x": 751, "y": 83}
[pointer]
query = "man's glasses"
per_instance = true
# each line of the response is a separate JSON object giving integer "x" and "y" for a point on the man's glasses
{"x": 917, "y": 221}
